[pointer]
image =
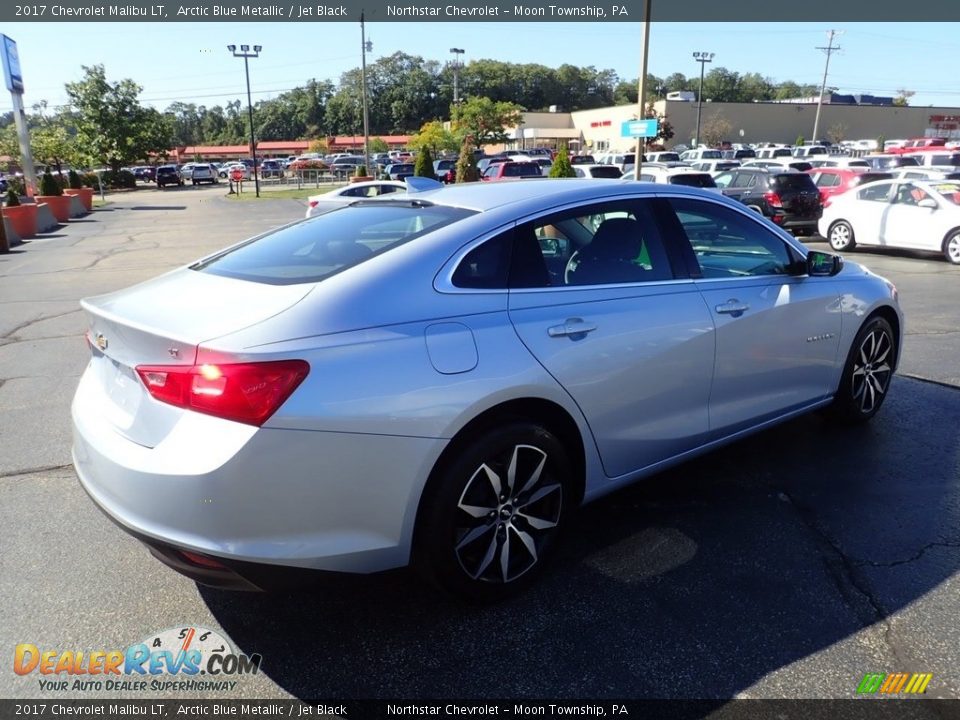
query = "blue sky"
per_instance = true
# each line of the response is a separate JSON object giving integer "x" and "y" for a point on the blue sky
{"x": 189, "y": 61}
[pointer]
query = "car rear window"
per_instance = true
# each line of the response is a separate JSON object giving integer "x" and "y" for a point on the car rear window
{"x": 864, "y": 178}
{"x": 521, "y": 170}
{"x": 701, "y": 180}
{"x": 606, "y": 171}
{"x": 311, "y": 250}
{"x": 795, "y": 181}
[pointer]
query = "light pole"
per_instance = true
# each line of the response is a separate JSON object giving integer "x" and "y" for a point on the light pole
{"x": 703, "y": 58}
{"x": 246, "y": 55}
{"x": 457, "y": 52}
{"x": 365, "y": 47}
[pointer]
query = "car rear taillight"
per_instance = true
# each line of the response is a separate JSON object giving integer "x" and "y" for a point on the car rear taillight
{"x": 773, "y": 200}
{"x": 243, "y": 392}
{"x": 313, "y": 203}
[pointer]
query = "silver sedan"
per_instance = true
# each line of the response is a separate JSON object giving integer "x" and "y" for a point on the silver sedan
{"x": 443, "y": 377}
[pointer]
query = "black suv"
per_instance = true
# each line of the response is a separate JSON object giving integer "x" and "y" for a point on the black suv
{"x": 789, "y": 198}
{"x": 168, "y": 175}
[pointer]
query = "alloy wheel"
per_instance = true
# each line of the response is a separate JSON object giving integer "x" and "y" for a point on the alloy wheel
{"x": 509, "y": 508}
{"x": 872, "y": 370}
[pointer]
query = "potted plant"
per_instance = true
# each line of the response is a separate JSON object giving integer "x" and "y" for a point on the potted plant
{"x": 23, "y": 218}
{"x": 52, "y": 194}
{"x": 75, "y": 187}
{"x": 361, "y": 174}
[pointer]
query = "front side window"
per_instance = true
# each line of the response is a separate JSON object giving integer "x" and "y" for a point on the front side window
{"x": 728, "y": 244}
{"x": 599, "y": 244}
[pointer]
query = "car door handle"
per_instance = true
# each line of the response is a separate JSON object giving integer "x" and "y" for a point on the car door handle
{"x": 573, "y": 326}
{"x": 732, "y": 307}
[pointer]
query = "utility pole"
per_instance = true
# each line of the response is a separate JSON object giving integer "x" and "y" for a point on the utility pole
{"x": 642, "y": 89}
{"x": 365, "y": 47}
{"x": 829, "y": 49}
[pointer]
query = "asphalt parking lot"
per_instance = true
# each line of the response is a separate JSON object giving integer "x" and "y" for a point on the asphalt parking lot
{"x": 787, "y": 565}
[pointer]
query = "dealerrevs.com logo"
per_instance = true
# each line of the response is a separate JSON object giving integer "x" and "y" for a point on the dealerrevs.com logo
{"x": 172, "y": 660}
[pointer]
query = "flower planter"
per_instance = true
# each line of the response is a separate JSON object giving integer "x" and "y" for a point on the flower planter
{"x": 360, "y": 178}
{"x": 23, "y": 218}
{"x": 85, "y": 195}
{"x": 59, "y": 206}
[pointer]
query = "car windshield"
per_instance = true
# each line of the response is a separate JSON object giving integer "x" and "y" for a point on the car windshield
{"x": 711, "y": 155}
{"x": 949, "y": 191}
{"x": 309, "y": 251}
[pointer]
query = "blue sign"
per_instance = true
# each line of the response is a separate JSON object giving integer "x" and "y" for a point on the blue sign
{"x": 639, "y": 128}
{"x": 11, "y": 65}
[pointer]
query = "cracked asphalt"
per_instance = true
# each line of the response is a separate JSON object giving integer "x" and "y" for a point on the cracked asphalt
{"x": 785, "y": 566}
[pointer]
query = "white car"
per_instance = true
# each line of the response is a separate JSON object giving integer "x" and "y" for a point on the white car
{"x": 203, "y": 173}
{"x": 701, "y": 154}
{"x": 850, "y": 163}
{"x": 682, "y": 175}
{"x": 914, "y": 214}
{"x": 610, "y": 172}
{"x": 930, "y": 174}
{"x": 713, "y": 166}
{"x": 320, "y": 204}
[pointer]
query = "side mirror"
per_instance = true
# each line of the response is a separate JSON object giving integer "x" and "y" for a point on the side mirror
{"x": 928, "y": 203}
{"x": 823, "y": 264}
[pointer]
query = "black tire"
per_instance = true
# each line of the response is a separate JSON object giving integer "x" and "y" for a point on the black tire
{"x": 194, "y": 183}
{"x": 867, "y": 373}
{"x": 840, "y": 236}
{"x": 951, "y": 248}
{"x": 498, "y": 547}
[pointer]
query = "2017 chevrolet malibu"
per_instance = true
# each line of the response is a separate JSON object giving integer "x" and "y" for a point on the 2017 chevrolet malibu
{"x": 442, "y": 378}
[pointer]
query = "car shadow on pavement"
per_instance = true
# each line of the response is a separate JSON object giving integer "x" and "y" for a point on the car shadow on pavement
{"x": 697, "y": 583}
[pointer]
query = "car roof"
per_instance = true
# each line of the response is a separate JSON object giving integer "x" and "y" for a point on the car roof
{"x": 484, "y": 197}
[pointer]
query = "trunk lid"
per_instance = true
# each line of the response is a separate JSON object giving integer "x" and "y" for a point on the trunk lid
{"x": 162, "y": 322}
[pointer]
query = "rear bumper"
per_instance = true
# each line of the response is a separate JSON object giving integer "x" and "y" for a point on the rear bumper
{"x": 341, "y": 502}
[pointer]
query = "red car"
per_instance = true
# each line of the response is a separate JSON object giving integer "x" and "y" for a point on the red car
{"x": 511, "y": 170}
{"x": 835, "y": 181}
{"x": 915, "y": 144}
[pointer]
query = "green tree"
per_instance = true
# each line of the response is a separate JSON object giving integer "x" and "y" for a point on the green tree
{"x": 112, "y": 126}
{"x": 435, "y": 136}
{"x": 378, "y": 145}
{"x": 561, "y": 167}
{"x": 466, "y": 165}
{"x": 51, "y": 145}
{"x": 423, "y": 165}
{"x": 486, "y": 121}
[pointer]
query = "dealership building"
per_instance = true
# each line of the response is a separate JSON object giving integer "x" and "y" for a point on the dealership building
{"x": 598, "y": 130}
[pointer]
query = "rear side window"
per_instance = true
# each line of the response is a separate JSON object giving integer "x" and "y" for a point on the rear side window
{"x": 315, "y": 249}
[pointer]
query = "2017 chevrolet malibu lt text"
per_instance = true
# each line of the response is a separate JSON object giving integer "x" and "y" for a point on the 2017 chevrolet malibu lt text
{"x": 440, "y": 378}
